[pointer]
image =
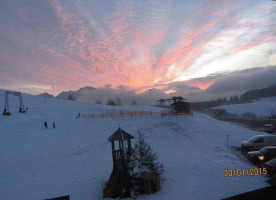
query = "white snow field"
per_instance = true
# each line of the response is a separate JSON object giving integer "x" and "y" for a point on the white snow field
{"x": 75, "y": 158}
{"x": 262, "y": 108}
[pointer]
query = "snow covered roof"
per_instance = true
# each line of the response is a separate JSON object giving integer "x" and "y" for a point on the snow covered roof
{"x": 119, "y": 135}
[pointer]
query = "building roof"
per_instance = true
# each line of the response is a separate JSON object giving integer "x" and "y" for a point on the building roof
{"x": 180, "y": 103}
{"x": 119, "y": 135}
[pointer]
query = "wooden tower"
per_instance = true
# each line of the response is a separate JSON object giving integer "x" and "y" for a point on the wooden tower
{"x": 122, "y": 151}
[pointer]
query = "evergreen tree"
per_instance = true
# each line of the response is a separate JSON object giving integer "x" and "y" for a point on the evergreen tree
{"x": 145, "y": 158}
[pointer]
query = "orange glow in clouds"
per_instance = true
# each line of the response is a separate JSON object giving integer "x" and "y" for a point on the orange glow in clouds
{"x": 202, "y": 85}
{"x": 170, "y": 91}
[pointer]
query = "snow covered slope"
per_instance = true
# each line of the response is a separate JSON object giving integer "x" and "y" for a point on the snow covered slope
{"x": 262, "y": 108}
{"x": 75, "y": 157}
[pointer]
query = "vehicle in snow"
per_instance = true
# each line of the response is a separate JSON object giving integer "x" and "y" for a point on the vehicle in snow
{"x": 257, "y": 142}
{"x": 268, "y": 152}
{"x": 271, "y": 166}
{"x": 269, "y": 128}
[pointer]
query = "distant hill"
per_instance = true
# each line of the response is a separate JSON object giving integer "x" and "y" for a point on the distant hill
{"x": 45, "y": 95}
{"x": 258, "y": 93}
{"x": 76, "y": 95}
{"x": 247, "y": 97}
{"x": 91, "y": 95}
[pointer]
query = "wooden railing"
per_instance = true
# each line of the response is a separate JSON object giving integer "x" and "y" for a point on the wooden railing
{"x": 118, "y": 113}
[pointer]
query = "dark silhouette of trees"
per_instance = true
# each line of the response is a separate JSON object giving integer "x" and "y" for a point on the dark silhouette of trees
{"x": 247, "y": 97}
{"x": 110, "y": 102}
{"x": 258, "y": 93}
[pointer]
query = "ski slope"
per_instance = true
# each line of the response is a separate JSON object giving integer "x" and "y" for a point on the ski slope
{"x": 75, "y": 158}
{"x": 262, "y": 108}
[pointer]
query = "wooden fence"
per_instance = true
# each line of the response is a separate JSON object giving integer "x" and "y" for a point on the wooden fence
{"x": 120, "y": 113}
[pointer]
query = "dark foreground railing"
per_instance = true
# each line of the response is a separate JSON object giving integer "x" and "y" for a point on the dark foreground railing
{"x": 60, "y": 198}
{"x": 266, "y": 193}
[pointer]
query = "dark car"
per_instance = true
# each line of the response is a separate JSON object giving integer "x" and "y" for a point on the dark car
{"x": 269, "y": 128}
{"x": 271, "y": 166}
{"x": 268, "y": 152}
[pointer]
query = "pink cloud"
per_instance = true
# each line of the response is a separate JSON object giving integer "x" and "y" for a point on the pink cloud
{"x": 132, "y": 43}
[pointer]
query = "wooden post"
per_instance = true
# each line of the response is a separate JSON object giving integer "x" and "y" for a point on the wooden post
{"x": 158, "y": 187}
{"x": 121, "y": 144}
{"x": 113, "y": 152}
{"x": 129, "y": 147}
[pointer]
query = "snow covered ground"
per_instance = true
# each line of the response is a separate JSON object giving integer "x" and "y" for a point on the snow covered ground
{"x": 75, "y": 158}
{"x": 262, "y": 108}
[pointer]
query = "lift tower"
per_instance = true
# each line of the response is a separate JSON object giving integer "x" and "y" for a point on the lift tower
{"x": 6, "y": 106}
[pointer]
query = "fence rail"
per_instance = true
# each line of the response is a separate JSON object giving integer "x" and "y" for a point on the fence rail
{"x": 119, "y": 113}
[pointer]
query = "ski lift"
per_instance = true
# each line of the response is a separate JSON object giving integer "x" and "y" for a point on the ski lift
{"x": 6, "y": 106}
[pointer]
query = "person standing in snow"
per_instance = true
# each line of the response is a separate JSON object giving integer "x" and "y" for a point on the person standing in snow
{"x": 45, "y": 124}
{"x": 54, "y": 125}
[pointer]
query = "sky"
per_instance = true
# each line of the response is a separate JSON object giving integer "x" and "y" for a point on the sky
{"x": 55, "y": 46}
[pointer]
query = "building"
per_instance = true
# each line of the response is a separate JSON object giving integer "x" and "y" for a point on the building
{"x": 182, "y": 107}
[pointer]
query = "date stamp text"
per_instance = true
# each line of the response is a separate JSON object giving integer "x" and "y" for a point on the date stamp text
{"x": 245, "y": 172}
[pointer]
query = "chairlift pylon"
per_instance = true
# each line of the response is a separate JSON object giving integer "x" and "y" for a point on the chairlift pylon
{"x": 6, "y": 105}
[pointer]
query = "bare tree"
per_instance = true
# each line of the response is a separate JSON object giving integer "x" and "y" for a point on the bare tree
{"x": 71, "y": 97}
{"x": 98, "y": 101}
{"x": 118, "y": 101}
{"x": 133, "y": 102}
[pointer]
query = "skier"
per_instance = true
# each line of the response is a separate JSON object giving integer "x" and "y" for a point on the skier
{"x": 45, "y": 124}
{"x": 54, "y": 125}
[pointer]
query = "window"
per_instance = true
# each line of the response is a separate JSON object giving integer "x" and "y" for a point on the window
{"x": 260, "y": 140}
{"x": 273, "y": 151}
{"x": 264, "y": 150}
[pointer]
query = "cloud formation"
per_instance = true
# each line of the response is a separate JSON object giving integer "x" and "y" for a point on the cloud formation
{"x": 222, "y": 85}
{"x": 136, "y": 44}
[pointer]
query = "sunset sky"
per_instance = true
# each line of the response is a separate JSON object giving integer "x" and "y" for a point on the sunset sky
{"x": 137, "y": 44}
